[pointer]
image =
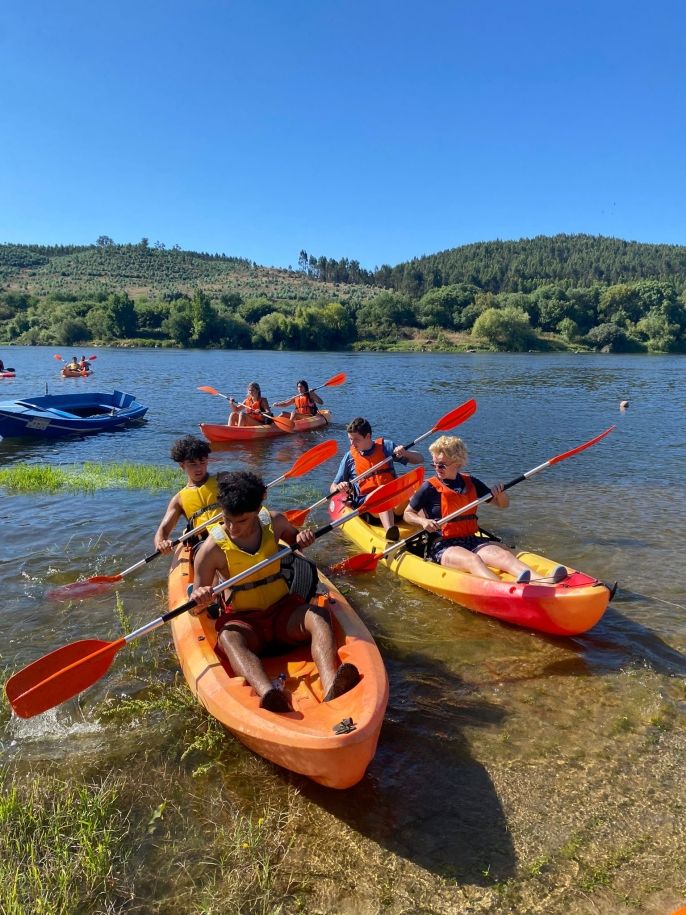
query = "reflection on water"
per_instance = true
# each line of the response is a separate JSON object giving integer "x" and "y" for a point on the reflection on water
{"x": 497, "y": 741}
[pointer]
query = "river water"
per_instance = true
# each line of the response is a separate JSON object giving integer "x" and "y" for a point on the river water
{"x": 498, "y": 742}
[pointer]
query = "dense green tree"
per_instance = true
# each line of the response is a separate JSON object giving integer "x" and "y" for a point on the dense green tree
{"x": 71, "y": 331}
{"x": 381, "y": 317}
{"x": 505, "y": 328}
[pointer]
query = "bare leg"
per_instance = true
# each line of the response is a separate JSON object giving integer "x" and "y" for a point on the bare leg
{"x": 500, "y": 558}
{"x": 243, "y": 661}
{"x": 307, "y": 620}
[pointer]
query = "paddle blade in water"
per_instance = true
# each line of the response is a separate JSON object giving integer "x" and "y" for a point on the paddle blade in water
{"x": 456, "y": 416}
{"x": 78, "y": 590}
{"x": 313, "y": 458}
{"x": 60, "y": 675}
{"x": 363, "y": 562}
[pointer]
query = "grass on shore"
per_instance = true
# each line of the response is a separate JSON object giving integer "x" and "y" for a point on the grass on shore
{"x": 88, "y": 477}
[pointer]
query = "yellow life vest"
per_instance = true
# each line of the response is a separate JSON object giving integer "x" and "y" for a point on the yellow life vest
{"x": 264, "y": 588}
{"x": 199, "y": 503}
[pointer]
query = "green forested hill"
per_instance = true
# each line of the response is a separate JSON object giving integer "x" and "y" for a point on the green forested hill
{"x": 566, "y": 291}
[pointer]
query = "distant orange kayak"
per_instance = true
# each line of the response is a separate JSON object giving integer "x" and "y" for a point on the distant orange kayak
{"x": 330, "y": 742}
{"x": 216, "y": 432}
{"x": 75, "y": 373}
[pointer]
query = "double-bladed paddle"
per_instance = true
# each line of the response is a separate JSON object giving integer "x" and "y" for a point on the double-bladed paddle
{"x": 285, "y": 423}
{"x": 367, "y": 562}
{"x": 64, "y": 673}
{"x": 333, "y": 382}
{"x": 454, "y": 418}
{"x": 100, "y": 583}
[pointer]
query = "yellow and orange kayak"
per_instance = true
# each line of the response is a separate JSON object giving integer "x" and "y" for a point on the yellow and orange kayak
{"x": 330, "y": 742}
{"x": 568, "y": 608}
{"x": 216, "y": 432}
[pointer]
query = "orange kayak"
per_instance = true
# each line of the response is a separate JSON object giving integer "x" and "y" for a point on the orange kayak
{"x": 75, "y": 373}
{"x": 330, "y": 742}
{"x": 216, "y": 432}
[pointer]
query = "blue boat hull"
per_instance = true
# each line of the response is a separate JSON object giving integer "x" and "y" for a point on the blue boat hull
{"x": 55, "y": 415}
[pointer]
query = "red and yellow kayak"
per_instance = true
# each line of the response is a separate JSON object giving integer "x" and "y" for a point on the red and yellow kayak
{"x": 215, "y": 432}
{"x": 568, "y": 608}
{"x": 315, "y": 739}
{"x": 75, "y": 373}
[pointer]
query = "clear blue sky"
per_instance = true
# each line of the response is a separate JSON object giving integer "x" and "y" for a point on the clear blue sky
{"x": 371, "y": 129}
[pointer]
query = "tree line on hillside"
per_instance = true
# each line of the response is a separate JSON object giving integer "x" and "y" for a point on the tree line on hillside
{"x": 648, "y": 315}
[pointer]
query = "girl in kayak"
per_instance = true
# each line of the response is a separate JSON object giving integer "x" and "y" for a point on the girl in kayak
{"x": 251, "y": 411}
{"x": 306, "y": 402}
{"x": 457, "y": 545}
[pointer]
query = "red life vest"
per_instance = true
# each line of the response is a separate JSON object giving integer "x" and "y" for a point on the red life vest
{"x": 451, "y": 501}
{"x": 304, "y": 405}
{"x": 365, "y": 461}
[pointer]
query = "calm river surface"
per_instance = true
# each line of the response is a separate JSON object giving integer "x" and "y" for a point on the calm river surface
{"x": 499, "y": 744}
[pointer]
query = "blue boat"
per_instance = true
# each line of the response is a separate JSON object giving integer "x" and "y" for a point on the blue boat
{"x": 53, "y": 415}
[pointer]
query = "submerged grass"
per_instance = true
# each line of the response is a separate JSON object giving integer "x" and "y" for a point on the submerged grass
{"x": 88, "y": 477}
{"x": 61, "y": 845}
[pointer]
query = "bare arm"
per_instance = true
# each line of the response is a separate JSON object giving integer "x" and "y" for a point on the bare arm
{"x": 209, "y": 561}
{"x": 284, "y": 530}
{"x": 284, "y": 403}
{"x": 167, "y": 525}
{"x": 412, "y": 457}
{"x": 419, "y": 518}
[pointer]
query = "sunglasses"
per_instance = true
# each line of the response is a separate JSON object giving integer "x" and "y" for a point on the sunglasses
{"x": 439, "y": 466}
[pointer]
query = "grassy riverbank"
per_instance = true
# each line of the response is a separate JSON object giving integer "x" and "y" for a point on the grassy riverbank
{"x": 88, "y": 477}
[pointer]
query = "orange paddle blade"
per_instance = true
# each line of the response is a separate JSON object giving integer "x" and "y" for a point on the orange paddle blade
{"x": 91, "y": 358}
{"x": 285, "y": 423}
{"x": 313, "y": 458}
{"x": 57, "y": 356}
{"x": 456, "y": 416}
{"x": 297, "y": 516}
{"x": 363, "y": 562}
{"x": 208, "y": 389}
{"x": 572, "y": 451}
{"x": 388, "y": 495}
{"x": 78, "y": 590}
{"x": 335, "y": 381}
{"x": 60, "y": 675}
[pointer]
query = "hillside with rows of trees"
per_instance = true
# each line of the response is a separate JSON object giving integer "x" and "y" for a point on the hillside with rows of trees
{"x": 554, "y": 293}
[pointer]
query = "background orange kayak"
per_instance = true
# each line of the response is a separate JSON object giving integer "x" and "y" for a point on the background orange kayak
{"x": 217, "y": 432}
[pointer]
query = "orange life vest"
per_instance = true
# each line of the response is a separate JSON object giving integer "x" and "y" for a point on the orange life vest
{"x": 253, "y": 407}
{"x": 364, "y": 461}
{"x": 451, "y": 501}
{"x": 304, "y": 405}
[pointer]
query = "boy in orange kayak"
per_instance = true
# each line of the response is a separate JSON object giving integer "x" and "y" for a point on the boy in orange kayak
{"x": 261, "y": 611}
{"x": 253, "y": 409}
{"x": 197, "y": 501}
{"x": 306, "y": 402}
{"x": 364, "y": 454}
{"x": 457, "y": 545}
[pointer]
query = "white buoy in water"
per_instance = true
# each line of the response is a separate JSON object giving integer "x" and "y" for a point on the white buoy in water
{"x": 623, "y": 404}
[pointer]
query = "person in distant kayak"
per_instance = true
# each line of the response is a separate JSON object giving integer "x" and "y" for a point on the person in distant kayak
{"x": 253, "y": 409}
{"x": 306, "y": 402}
{"x": 84, "y": 365}
{"x": 259, "y": 612}
{"x": 197, "y": 501}
{"x": 456, "y": 544}
{"x": 73, "y": 366}
{"x": 2, "y": 366}
{"x": 364, "y": 454}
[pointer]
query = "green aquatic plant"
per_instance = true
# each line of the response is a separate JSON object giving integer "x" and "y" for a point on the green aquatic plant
{"x": 60, "y": 845}
{"x": 88, "y": 477}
